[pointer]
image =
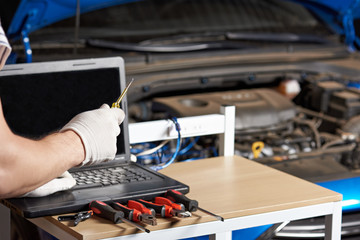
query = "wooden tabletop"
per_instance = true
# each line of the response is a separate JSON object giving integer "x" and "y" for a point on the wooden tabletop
{"x": 227, "y": 186}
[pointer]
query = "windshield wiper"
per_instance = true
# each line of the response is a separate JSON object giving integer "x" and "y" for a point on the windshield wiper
{"x": 275, "y": 37}
{"x": 163, "y": 48}
{"x": 205, "y": 41}
{"x": 238, "y": 36}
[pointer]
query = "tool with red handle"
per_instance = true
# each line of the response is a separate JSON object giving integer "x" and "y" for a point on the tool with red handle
{"x": 190, "y": 204}
{"x": 135, "y": 215}
{"x": 166, "y": 201}
{"x": 140, "y": 207}
{"x": 178, "y": 197}
{"x": 177, "y": 209}
{"x": 105, "y": 211}
{"x": 162, "y": 210}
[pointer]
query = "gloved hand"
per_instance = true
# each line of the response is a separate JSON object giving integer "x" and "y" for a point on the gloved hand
{"x": 98, "y": 130}
{"x": 5, "y": 48}
{"x": 64, "y": 182}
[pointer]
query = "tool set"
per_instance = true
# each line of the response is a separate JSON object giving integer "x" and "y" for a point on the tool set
{"x": 134, "y": 212}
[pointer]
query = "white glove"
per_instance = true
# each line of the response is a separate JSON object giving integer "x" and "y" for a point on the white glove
{"x": 5, "y": 48}
{"x": 98, "y": 130}
{"x": 64, "y": 182}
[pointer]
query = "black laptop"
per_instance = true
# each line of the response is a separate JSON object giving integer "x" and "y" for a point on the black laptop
{"x": 40, "y": 98}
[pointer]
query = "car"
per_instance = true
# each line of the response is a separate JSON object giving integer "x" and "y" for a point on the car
{"x": 291, "y": 68}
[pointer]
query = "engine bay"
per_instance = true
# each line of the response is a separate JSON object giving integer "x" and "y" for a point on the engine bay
{"x": 305, "y": 124}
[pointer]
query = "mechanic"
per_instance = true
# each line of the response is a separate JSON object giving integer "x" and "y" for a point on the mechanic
{"x": 31, "y": 167}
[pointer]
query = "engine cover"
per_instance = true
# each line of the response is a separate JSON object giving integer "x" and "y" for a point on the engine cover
{"x": 254, "y": 108}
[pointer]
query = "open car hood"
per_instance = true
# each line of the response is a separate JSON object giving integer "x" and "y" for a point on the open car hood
{"x": 32, "y": 15}
{"x": 340, "y": 16}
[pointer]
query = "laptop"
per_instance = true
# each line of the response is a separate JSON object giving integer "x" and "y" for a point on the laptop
{"x": 40, "y": 98}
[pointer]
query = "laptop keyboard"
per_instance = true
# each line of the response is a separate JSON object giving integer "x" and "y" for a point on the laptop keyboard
{"x": 109, "y": 176}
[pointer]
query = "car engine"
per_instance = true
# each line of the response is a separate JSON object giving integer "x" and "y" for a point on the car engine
{"x": 312, "y": 134}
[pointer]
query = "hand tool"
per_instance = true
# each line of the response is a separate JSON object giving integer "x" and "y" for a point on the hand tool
{"x": 163, "y": 209}
{"x": 190, "y": 204}
{"x": 135, "y": 215}
{"x": 117, "y": 103}
{"x": 103, "y": 210}
{"x": 140, "y": 207}
{"x": 78, "y": 217}
{"x": 178, "y": 209}
{"x": 159, "y": 209}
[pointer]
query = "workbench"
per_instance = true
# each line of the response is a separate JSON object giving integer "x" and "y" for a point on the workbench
{"x": 245, "y": 193}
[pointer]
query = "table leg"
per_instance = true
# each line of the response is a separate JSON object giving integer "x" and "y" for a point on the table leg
{"x": 333, "y": 223}
{"x": 4, "y": 222}
{"x": 221, "y": 236}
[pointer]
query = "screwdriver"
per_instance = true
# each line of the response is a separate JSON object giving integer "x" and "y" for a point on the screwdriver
{"x": 134, "y": 215}
{"x": 190, "y": 205}
{"x": 117, "y": 103}
{"x": 103, "y": 210}
{"x": 178, "y": 209}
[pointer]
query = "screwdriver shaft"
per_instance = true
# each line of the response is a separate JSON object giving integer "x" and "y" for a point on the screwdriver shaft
{"x": 190, "y": 205}
{"x": 117, "y": 103}
{"x": 212, "y": 214}
{"x": 135, "y": 224}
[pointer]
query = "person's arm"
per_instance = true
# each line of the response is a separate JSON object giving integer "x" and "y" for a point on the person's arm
{"x": 26, "y": 164}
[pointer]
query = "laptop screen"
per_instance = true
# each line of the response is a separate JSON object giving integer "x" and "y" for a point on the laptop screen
{"x": 41, "y": 102}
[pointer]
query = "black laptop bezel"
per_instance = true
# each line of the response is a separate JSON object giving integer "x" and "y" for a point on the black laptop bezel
{"x": 79, "y": 65}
